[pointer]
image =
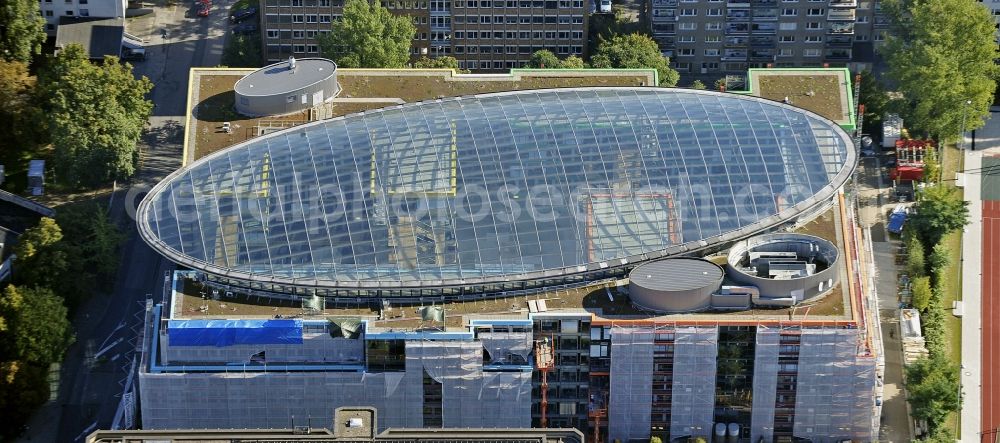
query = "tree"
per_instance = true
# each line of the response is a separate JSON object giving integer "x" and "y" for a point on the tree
{"x": 445, "y": 62}
{"x": 634, "y": 51}
{"x": 543, "y": 59}
{"x": 940, "y": 210}
{"x": 940, "y": 55}
{"x": 915, "y": 255}
{"x": 96, "y": 115}
{"x": 697, "y": 84}
{"x": 22, "y": 30}
{"x": 90, "y": 243}
{"x": 39, "y": 260}
{"x": 655, "y": 439}
{"x": 932, "y": 384}
{"x": 932, "y": 167}
{"x": 19, "y": 116}
{"x": 939, "y": 259}
{"x": 572, "y": 62}
{"x": 875, "y": 99}
{"x": 369, "y": 36}
{"x": 242, "y": 51}
{"x": 720, "y": 84}
{"x": 920, "y": 290}
{"x": 37, "y": 328}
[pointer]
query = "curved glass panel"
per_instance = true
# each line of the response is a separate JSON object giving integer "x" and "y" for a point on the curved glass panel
{"x": 496, "y": 186}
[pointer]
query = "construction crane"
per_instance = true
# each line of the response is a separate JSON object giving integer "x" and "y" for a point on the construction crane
{"x": 544, "y": 361}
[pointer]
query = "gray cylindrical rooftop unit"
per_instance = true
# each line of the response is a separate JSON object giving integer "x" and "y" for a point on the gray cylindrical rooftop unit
{"x": 287, "y": 87}
{"x": 674, "y": 285}
{"x": 772, "y": 263}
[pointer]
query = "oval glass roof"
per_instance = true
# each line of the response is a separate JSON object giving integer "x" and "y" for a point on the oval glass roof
{"x": 496, "y": 187}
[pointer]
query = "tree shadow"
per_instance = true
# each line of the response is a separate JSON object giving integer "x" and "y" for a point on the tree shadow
{"x": 218, "y": 108}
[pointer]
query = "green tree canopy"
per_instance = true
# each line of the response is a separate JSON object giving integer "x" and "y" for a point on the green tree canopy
{"x": 655, "y": 439}
{"x": 915, "y": 254}
{"x": 940, "y": 54}
{"x": 96, "y": 115}
{"x": 933, "y": 386}
{"x": 939, "y": 259}
{"x": 19, "y": 117}
{"x": 90, "y": 244}
{"x": 368, "y": 36}
{"x": 22, "y": 30}
{"x": 920, "y": 290}
{"x": 940, "y": 210}
{"x": 543, "y": 59}
{"x": 697, "y": 84}
{"x": 40, "y": 261}
{"x": 444, "y": 62}
{"x": 37, "y": 329}
{"x": 634, "y": 51}
{"x": 876, "y": 101}
{"x": 242, "y": 51}
{"x": 572, "y": 62}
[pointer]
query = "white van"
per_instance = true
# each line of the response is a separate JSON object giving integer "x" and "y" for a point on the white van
{"x": 605, "y": 5}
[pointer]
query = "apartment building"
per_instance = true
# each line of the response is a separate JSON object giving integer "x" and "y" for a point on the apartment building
{"x": 53, "y": 10}
{"x": 481, "y": 34}
{"x": 708, "y": 36}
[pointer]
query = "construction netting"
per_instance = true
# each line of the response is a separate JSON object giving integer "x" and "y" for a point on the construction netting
{"x": 220, "y": 332}
{"x": 631, "y": 378}
{"x": 506, "y": 346}
{"x": 247, "y": 399}
{"x": 835, "y": 393}
{"x": 693, "y": 396}
{"x": 765, "y": 377}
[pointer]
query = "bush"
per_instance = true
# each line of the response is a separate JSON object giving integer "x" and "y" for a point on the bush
{"x": 915, "y": 254}
{"x": 921, "y": 293}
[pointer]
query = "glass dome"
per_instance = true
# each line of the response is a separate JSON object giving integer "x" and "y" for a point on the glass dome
{"x": 502, "y": 187}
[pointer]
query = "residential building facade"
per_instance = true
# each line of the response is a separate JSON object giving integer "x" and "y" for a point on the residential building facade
{"x": 53, "y": 10}
{"x": 481, "y": 34}
{"x": 729, "y": 36}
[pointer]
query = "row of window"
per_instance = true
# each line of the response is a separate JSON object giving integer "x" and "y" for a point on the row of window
{"x": 301, "y": 18}
{"x": 69, "y": 13}
{"x": 305, "y": 3}
{"x": 527, "y": 50}
{"x": 522, "y": 35}
{"x": 546, "y": 4}
{"x": 785, "y": 52}
{"x": 740, "y": 13}
{"x": 879, "y": 36}
{"x": 523, "y": 19}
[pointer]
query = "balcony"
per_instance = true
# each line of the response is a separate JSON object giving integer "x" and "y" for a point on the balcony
{"x": 738, "y": 15}
{"x": 737, "y": 28}
{"x": 841, "y": 14}
{"x": 757, "y": 41}
{"x": 881, "y": 21}
{"x": 667, "y": 3}
{"x": 844, "y": 3}
{"x": 840, "y": 41}
{"x": 840, "y": 28}
{"x": 738, "y": 3}
{"x": 664, "y": 15}
{"x": 838, "y": 55}
{"x": 764, "y": 2}
{"x": 765, "y": 28}
{"x": 762, "y": 56}
{"x": 736, "y": 42}
{"x": 765, "y": 14}
{"x": 734, "y": 56}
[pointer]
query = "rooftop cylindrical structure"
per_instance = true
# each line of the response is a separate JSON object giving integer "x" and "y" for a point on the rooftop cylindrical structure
{"x": 286, "y": 87}
{"x": 785, "y": 265}
{"x": 674, "y": 284}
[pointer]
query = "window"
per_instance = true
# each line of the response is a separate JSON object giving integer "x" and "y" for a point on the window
{"x": 787, "y": 26}
{"x": 688, "y": 26}
{"x": 810, "y": 53}
{"x": 713, "y": 39}
{"x": 298, "y": 18}
{"x": 714, "y": 12}
{"x": 815, "y": 12}
{"x": 712, "y": 26}
{"x": 84, "y": 13}
{"x": 814, "y": 25}
{"x": 685, "y": 39}
{"x": 785, "y": 53}
{"x": 298, "y": 34}
{"x": 861, "y": 38}
{"x": 711, "y": 53}
{"x": 863, "y": 19}
{"x": 789, "y": 12}
{"x": 814, "y": 39}
{"x": 50, "y": 27}
{"x": 689, "y": 12}
{"x": 685, "y": 52}
{"x": 683, "y": 67}
{"x": 48, "y": 13}
{"x": 310, "y": 34}
{"x": 324, "y": 3}
{"x": 272, "y": 33}
{"x": 786, "y": 38}
{"x": 83, "y": 2}
{"x": 69, "y": 12}
{"x": 324, "y": 18}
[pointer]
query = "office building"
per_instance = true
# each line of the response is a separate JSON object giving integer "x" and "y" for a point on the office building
{"x": 54, "y": 10}
{"x": 486, "y": 35}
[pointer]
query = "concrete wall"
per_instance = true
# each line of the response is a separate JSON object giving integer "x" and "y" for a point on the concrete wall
{"x": 288, "y": 102}
{"x": 804, "y": 288}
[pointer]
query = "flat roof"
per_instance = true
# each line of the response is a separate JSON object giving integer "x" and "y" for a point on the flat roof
{"x": 280, "y": 78}
{"x": 98, "y": 36}
{"x": 677, "y": 274}
{"x": 825, "y": 91}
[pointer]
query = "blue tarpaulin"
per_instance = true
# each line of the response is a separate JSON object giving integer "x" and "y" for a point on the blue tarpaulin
{"x": 234, "y": 332}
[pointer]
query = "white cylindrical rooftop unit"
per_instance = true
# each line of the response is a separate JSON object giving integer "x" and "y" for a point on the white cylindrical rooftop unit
{"x": 785, "y": 266}
{"x": 674, "y": 284}
{"x": 287, "y": 87}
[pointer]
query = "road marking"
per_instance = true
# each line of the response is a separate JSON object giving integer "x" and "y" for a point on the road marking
{"x": 86, "y": 431}
{"x": 108, "y": 347}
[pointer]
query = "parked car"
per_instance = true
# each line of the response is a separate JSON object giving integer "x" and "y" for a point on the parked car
{"x": 245, "y": 28}
{"x": 605, "y": 5}
{"x": 136, "y": 54}
{"x": 204, "y": 10}
{"x": 243, "y": 14}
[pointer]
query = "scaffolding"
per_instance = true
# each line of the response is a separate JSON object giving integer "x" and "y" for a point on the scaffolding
{"x": 765, "y": 379}
{"x": 631, "y": 383}
{"x": 544, "y": 362}
{"x": 693, "y": 395}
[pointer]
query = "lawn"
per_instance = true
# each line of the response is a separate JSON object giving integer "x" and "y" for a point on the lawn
{"x": 821, "y": 93}
{"x": 953, "y": 160}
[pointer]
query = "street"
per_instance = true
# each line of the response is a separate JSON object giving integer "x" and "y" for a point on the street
{"x": 96, "y": 365}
